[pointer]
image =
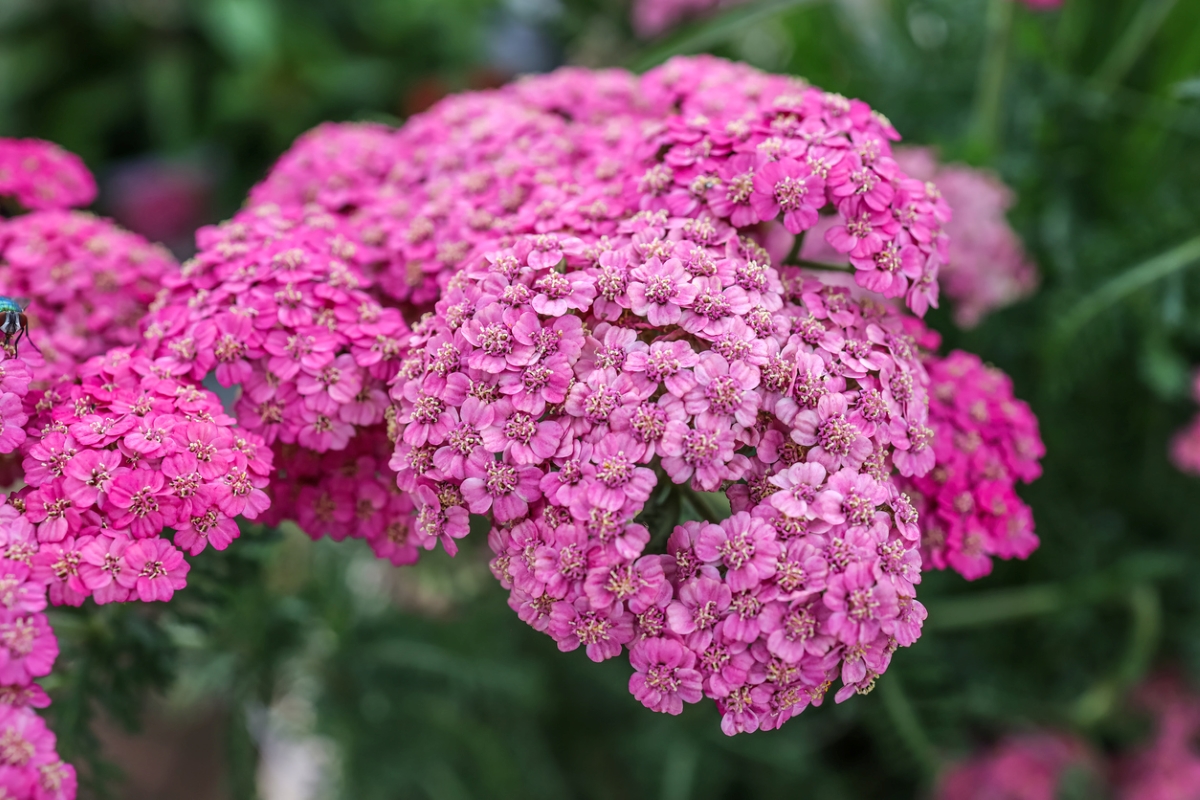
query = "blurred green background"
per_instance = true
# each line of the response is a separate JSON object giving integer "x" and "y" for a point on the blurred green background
{"x": 292, "y": 670}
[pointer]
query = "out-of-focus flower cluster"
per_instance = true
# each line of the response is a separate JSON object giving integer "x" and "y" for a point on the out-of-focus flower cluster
{"x": 987, "y": 267}
{"x": 1185, "y": 445}
{"x": 89, "y": 284}
{"x": 655, "y": 17}
{"x": 1026, "y": 767}
{"x": 29, "y": 764}
{"x": 1167, "y": 767}
{"x": 42, "y": 176}
{"x": 984, "y": 441}
{"x": 1046, "y": 766}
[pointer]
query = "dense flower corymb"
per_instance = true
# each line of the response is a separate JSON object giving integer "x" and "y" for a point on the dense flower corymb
{"x": 984, "y": 440}
{"x": 42, "y": 176}
{"x": 811, "y": 578}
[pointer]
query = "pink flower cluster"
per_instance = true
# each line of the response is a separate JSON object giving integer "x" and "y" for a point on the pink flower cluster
{"x": 29, "y": 765}
{"x": 987, "y": 267}
{"x": 42, "y": 176}
{"x": 1028, "y": 767}
{"x": 114, "y": 459}
{"x": 563, "y": 381}
{"x": 1168, "y": 766}
{"x": 984, "y": 440}
{"x": 580, "y": 150}
{"x": 1185, "y": 445}
{"x": 654, "y": 17}
{"x": 89, "y": 284}
{"x": 275, "y": 303}
{"x": 111, "y": 459}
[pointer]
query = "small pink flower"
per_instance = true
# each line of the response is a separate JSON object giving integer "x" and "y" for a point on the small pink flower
{"x": 744, "y": 545}
{"x": 660, "y": 291}
{"x": 789, "y": 186}
{"x": 153, "y": 569}
{"x": 664, "y": 679}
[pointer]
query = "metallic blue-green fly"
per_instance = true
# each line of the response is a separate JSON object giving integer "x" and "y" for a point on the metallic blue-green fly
{"x": 13, "y": 322}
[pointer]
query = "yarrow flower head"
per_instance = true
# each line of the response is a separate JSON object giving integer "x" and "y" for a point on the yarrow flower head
{"x": 89, "y": 284}
{"x": 42, "y": 176}
{"x": 682, "y": 355}
{"x": 116, "y": 458}
{"x": 1168, "y": 765}
{"x": 275, "y": 302}
{"x": 983, "y": 441}
{"x": 653, "y": 17}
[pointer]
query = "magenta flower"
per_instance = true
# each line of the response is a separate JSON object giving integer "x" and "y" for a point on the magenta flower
{"x": 660, "y": 291}
{"x": 723, "y": 390}
{"x": 52, "y": 511}
{"x": 639, "y": 586}
{"x": 503, "y": 486}
{"x": 12, "y": 422}
{"x": 701, "y": 453}
{"x": 501, "y": 338}
{"x": 799, "y": 485}
{"x": 153, "y": 569}
{"x": 835, "y": 441}
{"x": 30, "y": 647}
{"x": 138, "y": 500}
{"x": 858, "y": 605}
{"x": 795, "y": 629}
{"x": 519, "y": 435}
{"x": 862, "y": 235}
{"x": 701, "y": 603}
{"x": 744, "y": 545}
{"x": 618, "y": 482}
{"x": 665, "y": 678}
{"x": 601, "y": 634}
{"x": 669, "y": 363}
{"x": 789, "y": 186}
{"x": 554, "y": 294}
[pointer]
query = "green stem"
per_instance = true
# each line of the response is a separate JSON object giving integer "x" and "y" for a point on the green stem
{"x": 804, "y": 262}
{"x": 906, "y": 722}
{"x": 1151, "y": 14}
{"x": 1097, "y": 702}
{"x": 989, "y": 91}
{"x": 998, "y": 605}
{"x": 699, "y": 503}
{"x": 1126, "y": 283}
{"x": 797, "y": 245}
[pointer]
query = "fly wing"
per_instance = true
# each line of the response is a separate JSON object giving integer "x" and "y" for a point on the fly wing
{"x": 23, "y": 302}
